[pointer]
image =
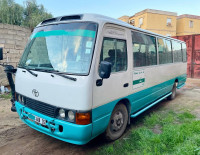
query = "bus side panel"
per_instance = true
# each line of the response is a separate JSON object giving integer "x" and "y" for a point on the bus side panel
{"x": 158, "y": 81}
{"x": 182, "y": 80}
{"x": 149, "y": 95}
{"x": 101, "y": 115}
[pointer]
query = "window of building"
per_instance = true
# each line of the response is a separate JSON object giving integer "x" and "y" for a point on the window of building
{"x": 115, "y": 52}
{"x": 144, "y": 50}
{"x": 191, "y": 24}
{"x": 165, "y": 51}
{"x": 140, "y": 22}
{"x": 169, "y": 22}
{"x": 132, "y": 22}
{"x": 184, "y": 50}
{"x": 176, "y": 46}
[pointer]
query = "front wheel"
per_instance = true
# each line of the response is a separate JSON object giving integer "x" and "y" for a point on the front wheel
{"x": 173, "y": 95}
{"x": 117, "y": 123}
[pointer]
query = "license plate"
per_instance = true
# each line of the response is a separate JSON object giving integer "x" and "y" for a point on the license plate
{"x": 40, "y": 120}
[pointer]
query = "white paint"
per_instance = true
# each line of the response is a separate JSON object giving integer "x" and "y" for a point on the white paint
{"x": 57, "y": 91}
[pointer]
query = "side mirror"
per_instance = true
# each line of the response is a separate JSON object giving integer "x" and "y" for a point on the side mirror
{"x": 1, "y": 53}
{"x": 105, "y": 69}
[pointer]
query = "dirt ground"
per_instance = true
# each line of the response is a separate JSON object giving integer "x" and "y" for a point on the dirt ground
{"x": 18, "y": 138}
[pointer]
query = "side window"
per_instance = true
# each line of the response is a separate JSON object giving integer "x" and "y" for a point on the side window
{"x": 165, "y": 51}
{"x": 168, "y": 49}
{"x": 161, "y": 51}
{"x": 184, "y": 50}
{"x": 115, "y": 52}
{"x": 144, "y": 50}
{"x": 177, "y": 51}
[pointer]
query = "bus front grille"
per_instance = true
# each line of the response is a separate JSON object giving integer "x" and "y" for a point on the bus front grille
{"x": 40, "y": 107}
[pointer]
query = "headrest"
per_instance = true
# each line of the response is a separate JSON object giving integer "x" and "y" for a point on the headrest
{"x": 111, "y": 53}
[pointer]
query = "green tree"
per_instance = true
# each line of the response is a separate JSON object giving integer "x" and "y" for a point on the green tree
{"x": 11, "y": 12}
{"x": 30, "y": 15}
{"x": 34, "y": 14}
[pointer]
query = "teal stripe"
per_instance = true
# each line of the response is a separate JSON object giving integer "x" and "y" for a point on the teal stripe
{"x": 82, "y": 33}
{"x": 138, "y": 100}
{"x": 72, "y": 133}
{"x": 138, "y": 81}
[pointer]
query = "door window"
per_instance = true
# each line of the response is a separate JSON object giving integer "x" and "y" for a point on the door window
{"x": 115, "y": 52}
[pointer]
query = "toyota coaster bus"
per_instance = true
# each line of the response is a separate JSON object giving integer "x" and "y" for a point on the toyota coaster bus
{"x": 83, "y": 75}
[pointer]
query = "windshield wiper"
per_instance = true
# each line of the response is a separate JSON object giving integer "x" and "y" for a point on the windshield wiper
{"x": 57, "y": 73}
{"x": 34, "y": 74}
{"x": 65, "y": 76}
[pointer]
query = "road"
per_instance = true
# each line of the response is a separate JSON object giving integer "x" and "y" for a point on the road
{"x": 18, "y": 138}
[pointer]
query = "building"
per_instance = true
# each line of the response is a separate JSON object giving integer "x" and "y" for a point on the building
{"x": 124, "y": 18}
{"x": 161, "y": 22}
{"x": 164, "y": 22}
{"x": 188, "y": 25}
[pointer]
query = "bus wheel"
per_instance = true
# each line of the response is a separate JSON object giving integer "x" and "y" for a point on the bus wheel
{"x": 173, "y": 95}
{"x": 118, "y": 123}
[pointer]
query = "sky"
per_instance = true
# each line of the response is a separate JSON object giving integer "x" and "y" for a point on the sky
{"x": 117, "y": 8}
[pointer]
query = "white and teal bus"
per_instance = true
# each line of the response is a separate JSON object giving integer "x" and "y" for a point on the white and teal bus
{"x": 84, "y": 75}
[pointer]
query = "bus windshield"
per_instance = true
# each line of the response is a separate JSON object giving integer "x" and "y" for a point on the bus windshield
{"x": 65, "y": 48}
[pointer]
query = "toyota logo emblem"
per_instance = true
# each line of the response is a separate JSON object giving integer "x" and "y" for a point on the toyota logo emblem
{"x": 35, "y": 92}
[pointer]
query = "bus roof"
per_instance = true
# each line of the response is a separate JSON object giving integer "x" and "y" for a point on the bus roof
{"x": 98, "y": 19}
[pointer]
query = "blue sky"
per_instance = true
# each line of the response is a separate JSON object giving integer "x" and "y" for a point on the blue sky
{"x": 117, "y": 8}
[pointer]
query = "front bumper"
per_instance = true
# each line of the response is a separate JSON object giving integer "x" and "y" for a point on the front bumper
{"x": 72, "y": 133}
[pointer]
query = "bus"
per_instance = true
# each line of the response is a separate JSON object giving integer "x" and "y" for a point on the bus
{"x": 85, "y": 75}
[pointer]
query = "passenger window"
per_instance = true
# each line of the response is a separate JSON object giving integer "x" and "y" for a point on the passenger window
{"x": 184, "y": 50}
{"x": 177, "y": 51}
{"x": 144, "y": 50}
{"x": 165, "y": 52}
{"x": 115, "y": 52}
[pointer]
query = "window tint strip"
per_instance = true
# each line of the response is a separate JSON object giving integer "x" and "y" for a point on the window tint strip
{"x": 82, "y": 33}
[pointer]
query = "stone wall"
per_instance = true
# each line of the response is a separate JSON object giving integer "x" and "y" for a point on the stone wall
{"x": 13, "y": 40}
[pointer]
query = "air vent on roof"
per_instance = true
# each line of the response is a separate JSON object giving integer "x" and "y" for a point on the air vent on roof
{"x": 49, "y": 21}
{"x": 75, "y": 17}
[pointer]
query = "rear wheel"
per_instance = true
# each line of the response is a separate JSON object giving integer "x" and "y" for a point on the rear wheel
{"x": 117, "y": 123}
{"x": 173, "y": 95}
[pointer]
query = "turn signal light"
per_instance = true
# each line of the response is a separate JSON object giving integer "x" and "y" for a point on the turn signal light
{"x": 83, "y": 118}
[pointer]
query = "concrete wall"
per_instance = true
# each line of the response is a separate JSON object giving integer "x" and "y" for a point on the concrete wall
{"x": 13, "y": 40}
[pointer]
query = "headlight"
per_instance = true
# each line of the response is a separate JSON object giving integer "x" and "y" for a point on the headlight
{"x": 71, "y": 115}
{"x": 62, "y": 113}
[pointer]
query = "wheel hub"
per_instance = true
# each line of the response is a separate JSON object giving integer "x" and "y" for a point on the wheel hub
{"x": 117, "y": 121}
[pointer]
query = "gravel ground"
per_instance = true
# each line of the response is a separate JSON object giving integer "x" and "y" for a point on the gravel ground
{"x": 18, "y": 138}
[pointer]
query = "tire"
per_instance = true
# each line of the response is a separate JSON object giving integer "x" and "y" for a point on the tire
{"x": 173, "y": 95}
{"x": 117, "y": 123}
